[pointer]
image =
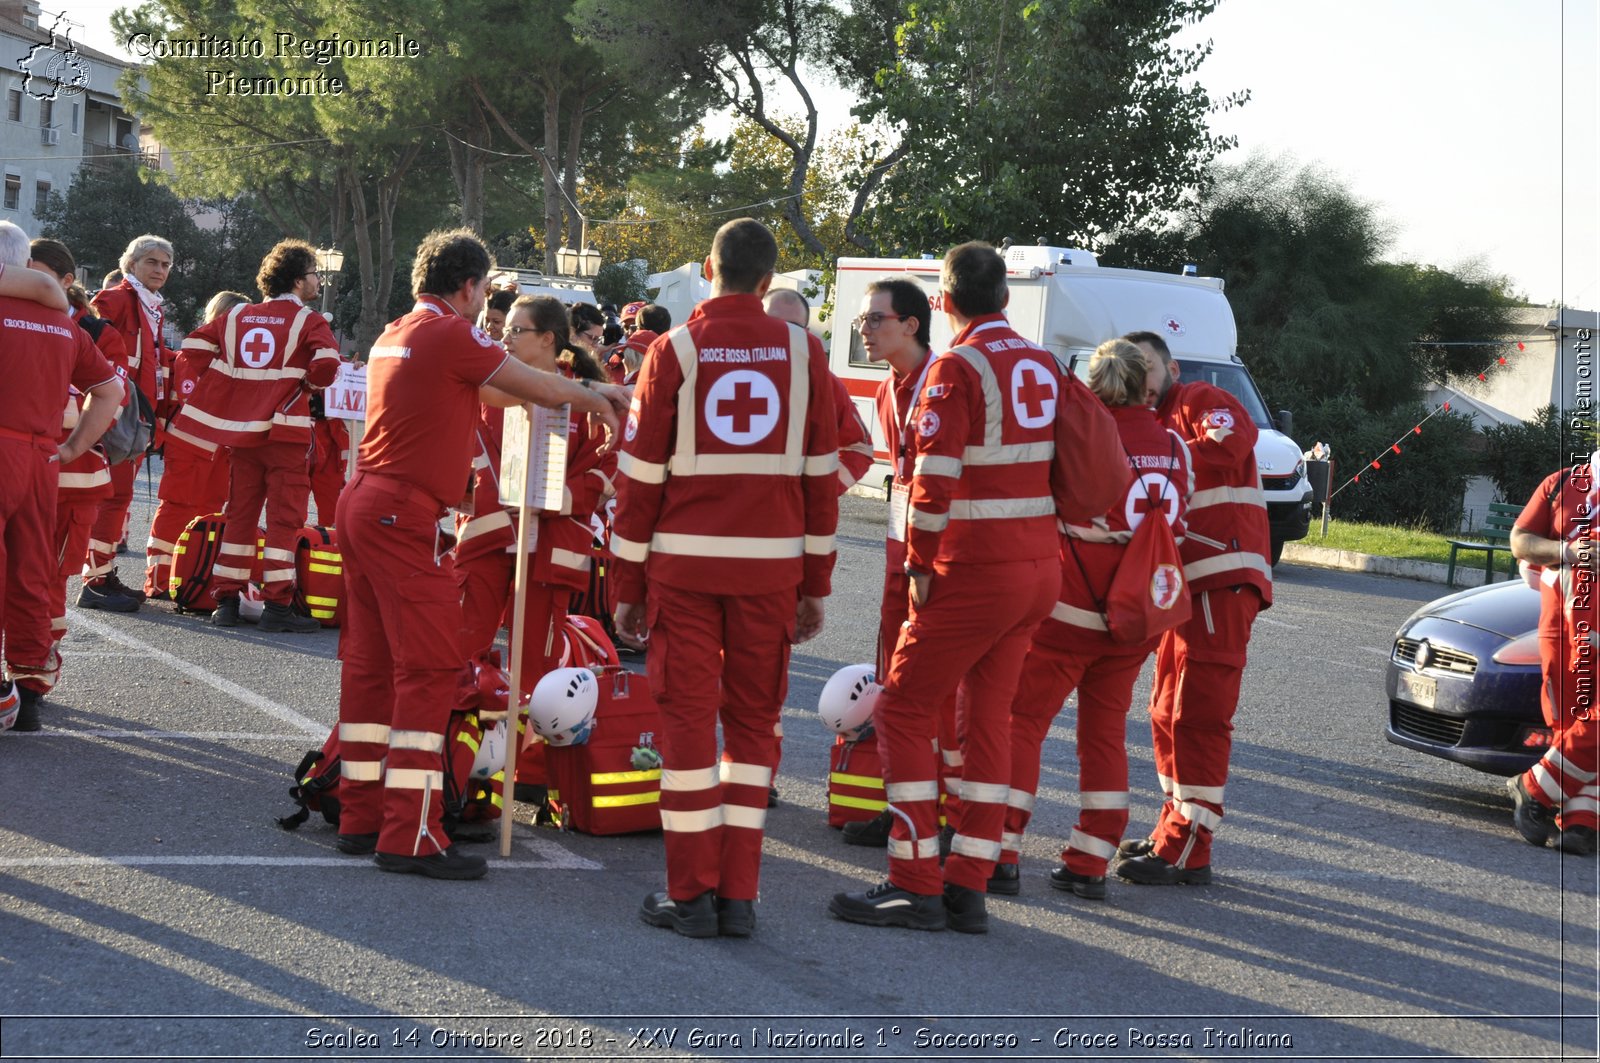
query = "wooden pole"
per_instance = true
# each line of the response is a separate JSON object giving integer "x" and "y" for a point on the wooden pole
{"x": 519, "y": 611}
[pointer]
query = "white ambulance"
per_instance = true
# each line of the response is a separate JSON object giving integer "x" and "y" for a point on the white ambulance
{"x": 1063, "y": 300}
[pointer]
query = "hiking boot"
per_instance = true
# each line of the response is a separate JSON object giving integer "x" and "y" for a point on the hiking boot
{"x": 27, "y": 710}
{"x": 966, "y": 911}
{"x": 1091, "y": 886}
{"x": 735, "y": 919}
{"x": 278, "y": 617}
{"x": 114, "y": 584}
{"x": 692, "y": 919}
{"x": 101, "y": 596}
{"x": 227, "y": 613}
{"x": 1532, "y": 819}
{"x": 357, "y": 844}
{"x": 1006, "y": 880}
{"x": 888, "y": 905}
{"x": 1151, "y": 870}
{"x": 448, "y": 863}
{"x": 1136, "y": 847}
{"x": 872, "y": 833}
{"x": 1577, "y": 840}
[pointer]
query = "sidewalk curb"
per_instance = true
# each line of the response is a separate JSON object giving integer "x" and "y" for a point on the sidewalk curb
{"x": 1350, "y": 561}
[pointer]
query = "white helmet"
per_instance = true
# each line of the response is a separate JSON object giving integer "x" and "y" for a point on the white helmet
{"x": 848, "y": 698}
{"x": 491, "y": 752}
{"x": 563, "y": 704}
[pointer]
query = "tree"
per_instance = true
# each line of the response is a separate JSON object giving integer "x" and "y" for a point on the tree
{"x": 1067, "y": 120}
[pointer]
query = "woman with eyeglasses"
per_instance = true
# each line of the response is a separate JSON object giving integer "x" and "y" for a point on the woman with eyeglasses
{"x": 536, "y": 334}
{"x": 588, "y": 327}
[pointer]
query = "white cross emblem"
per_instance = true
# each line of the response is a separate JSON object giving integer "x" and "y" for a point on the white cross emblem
{"x": 257, "y": 348}
{"x": 742, "y": 407}
{"x": 1033, "y": 394}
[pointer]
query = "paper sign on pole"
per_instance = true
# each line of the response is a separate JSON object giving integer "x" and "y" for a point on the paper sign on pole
{"x": 533, "y": 457}
{"x": 346, "y": 398}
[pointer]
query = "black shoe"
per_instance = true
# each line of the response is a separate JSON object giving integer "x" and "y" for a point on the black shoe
{"x": 227, "y": 613}
{"x": 450, "y": 863}
{"x": 947, "y": 838}
{"x": 1136, "y": 847}
{"x": 872, "y": 833}
{"x": 357, "y": 844}
{"x": 692, "y": 919}
{"x": 1532, "y": 820}
{"x": 772, "y": 797}
{"x": 114, "y": 584}
{"x": 101, "y": 596}
{"x": 278, "y": 617}
{"x": 1577, "y": 840}
{"x": 28, "y": 710}
{"x": 888, "y": 905}
{"x": 736, "y": 919}
{"x": 1006, "y": 880}
{"x": 1151, "y": 870}
{"x": 966, "y": 911}
{"x": 1091, "y": 886}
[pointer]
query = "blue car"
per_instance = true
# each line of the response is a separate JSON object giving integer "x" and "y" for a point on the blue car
{"x": 1463, "y": 680}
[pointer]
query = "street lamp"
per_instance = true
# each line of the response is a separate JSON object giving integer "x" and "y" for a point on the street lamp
{"x": 584, "y": 263}
{"x": 330, "y": 261}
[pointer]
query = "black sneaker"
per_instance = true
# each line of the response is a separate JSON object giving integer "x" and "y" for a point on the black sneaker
{"x": 1151, "y": 870}
{"x": 114, "y": 584}
{"x": 888, "y": 905}
{"x": 872, "y": 833}
{"x": 1532, "y": 819}
{"x": 1136, "y": 847}
{"x": 450, "y": 863}
{"x": 735, "y": 919}
{"x": 227, "y": 613}
{"x": 692, "y": 919}
{"x": 1006, "y": 880}
{"x": 101, "y": 596}
{"x": 1577, "y": 840}
{"x": 278, "y": 617}
{"x": 1091, "y": 886}
{"x": 28, "y": 710}
{"x": 966, "y": 911}
{"x": 357, "y": 844}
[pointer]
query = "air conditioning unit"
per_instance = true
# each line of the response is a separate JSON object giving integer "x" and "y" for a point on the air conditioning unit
{"x": 50, "y": 135}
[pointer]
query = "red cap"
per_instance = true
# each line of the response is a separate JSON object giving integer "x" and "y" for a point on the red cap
{"x": 631, "y": 311}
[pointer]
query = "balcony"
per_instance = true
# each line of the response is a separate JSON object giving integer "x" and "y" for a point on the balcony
{"x": 99, "y": 153}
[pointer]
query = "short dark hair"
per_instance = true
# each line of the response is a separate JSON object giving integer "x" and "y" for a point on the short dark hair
{"x": 286, "y": 263}
{"x": 1154, "y": 341}
{"x": 584, "y": 316}
{"x": 974, "y": 279}
{"x": 743, "y": 252}
{"x": 447, "y": 259}
{"x": 54, "y": 254}
{"x": 501, "y": 300}
{"x": 909, "y": 300}
{"x": 655, "y": 318}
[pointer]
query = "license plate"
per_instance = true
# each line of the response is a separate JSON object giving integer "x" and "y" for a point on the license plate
{"x": 1419, "y": 689}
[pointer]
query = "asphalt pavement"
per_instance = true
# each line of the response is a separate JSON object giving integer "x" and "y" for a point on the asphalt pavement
{"x": 1368, "y": 902}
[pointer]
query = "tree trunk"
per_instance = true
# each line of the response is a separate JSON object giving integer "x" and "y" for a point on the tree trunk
{"x": 569, "y": 171}
{"x": 468, "y": 165}
{"x": 552, "y": 188}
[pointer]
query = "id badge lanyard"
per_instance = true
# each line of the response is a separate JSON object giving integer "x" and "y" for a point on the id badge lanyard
{"x": 900, "y": 489}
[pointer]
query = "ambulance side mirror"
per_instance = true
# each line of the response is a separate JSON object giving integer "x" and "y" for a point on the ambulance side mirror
{"x": 1285, "y": 423}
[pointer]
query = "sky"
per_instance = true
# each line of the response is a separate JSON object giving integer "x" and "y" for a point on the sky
{"x": 1471, "y": 126}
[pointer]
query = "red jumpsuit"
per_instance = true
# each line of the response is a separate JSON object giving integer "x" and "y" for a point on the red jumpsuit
{"x": 558, "y": 565}
{"x": 330, "y": 455}
{"x": 83, "y": 486}
{"x": 194, "y": 482}
{"x": 147, "y": 362}
{"x": 1199, "y": 665}
{"x": 1565, "y": 778}
{"x": 1072, "y": 650}
{"x": 728, "y": 502}
{"x": 42, "y": 354}
{"x": 981, "y": 520}
{"x": 401, "y": 639}
{"x": 254, "y": 366}
{"x": 896, "y": 405}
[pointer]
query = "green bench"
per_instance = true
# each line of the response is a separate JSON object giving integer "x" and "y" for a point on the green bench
{"x": 1494, "y": 538}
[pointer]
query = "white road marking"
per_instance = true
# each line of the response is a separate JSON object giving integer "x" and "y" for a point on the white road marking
{"x": 548, "y": 856}
{"x": 1261, "y": 619}
{"x": 227, "y": 686}
{"x": 1374, "y": 649}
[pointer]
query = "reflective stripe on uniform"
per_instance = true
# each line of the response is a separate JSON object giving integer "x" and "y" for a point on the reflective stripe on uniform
{"x": 744, "y": 816}
{"x": 1021, "y": 800}
{"x": 974, "y": 848}
{"x": 1199, "y": 815}
{"x": 739, "y": 546}
{"x": 1001, "y": 508}
{"x": 1190, "y": 792}
{"x": 569, "y": 559}
{"x": 424, "y": 741}
{"x": 821, "y": 545}
{"x": 1088, "y": 843}
{"x": 926, "y": 849}
{"x": 987, "y": 793}
{"x": 688, "y": 779}
{"x": 736, "y": 774}
{"x": 1009, "y": 453}
{"x": 1221, "y": 496}
{"x": 1226, "y": 563}
{"x": 898, "y": 792}
{"x": 414, "y": 779}
{"x": 360, "y": 770}
{"x": 691, "y": 821}
{"x": 641, "y": 471}
{"x": 491, "y": 522}
{"x": 937, "y": 465}
{"x": 1566, "y": 767}
{"x": 1071, "y": 614}
{"x": 1103, "y": 799}
{"x": 922, "y": 520}
{"x": 628, "y": 550}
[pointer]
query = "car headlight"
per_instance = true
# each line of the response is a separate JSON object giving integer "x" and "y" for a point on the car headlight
{"x": 1299, "y": 471}
{"x": 1524, "y": 650}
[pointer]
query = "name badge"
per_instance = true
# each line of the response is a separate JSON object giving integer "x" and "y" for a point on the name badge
{"x": 899, "y": 504}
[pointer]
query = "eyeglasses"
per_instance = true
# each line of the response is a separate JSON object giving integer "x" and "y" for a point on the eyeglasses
{"x": 518, "y": 330}
{"x": 594, "y": 337}
{"x": 875, "y": 320}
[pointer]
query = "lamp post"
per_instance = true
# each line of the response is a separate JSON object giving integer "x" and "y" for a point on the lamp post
{"x": 584, "y": 262}
{"x": 330, "y": 262}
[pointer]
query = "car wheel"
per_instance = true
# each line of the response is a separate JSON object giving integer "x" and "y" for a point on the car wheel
{"x": 1277, "y": 551}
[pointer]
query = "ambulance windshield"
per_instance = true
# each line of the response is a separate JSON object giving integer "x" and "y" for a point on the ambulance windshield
{"x": 1235, "y": 381}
